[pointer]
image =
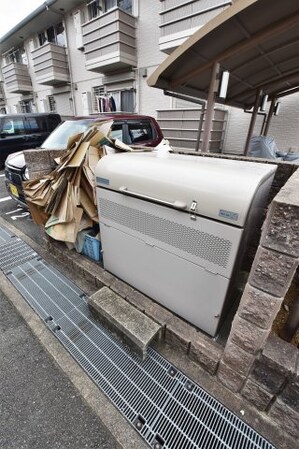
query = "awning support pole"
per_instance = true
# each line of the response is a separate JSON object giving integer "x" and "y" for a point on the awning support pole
{"x": 210, "y": 109}
{"x": 202, "y": 113}
{"x": 252, "y": 121}
{"x": 269, "y": 117}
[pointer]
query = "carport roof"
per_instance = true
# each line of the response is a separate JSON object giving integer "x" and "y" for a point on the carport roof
{"x": 257, "y": 41}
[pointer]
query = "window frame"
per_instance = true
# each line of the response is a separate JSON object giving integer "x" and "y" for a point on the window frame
{"x": 43, "y": 37}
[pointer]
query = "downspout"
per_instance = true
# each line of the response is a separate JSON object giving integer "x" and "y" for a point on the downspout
{"x": 269, "y": 117}
{"x": 252, "y": 122}
{"x": 48, "y": 4}
{"x": 70, "y": 70}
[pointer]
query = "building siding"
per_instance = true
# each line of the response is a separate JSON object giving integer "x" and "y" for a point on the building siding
{"x": 68, "y": 97}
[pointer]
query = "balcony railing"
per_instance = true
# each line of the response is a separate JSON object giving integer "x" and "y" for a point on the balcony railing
{"x": 109, "y": 42}
{"x": 16, "y": 78}
{"x": 50, "y": 65}
{"x": 181, "y": 18}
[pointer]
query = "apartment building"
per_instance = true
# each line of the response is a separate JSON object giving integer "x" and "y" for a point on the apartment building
{"x": 79, "y": 57}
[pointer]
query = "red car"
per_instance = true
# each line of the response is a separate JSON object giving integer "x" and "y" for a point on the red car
{"x": 129, "y": 128}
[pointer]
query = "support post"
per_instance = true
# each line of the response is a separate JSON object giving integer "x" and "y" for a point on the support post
{"x": 210, "y": 109}
{"x": 269, "y": 117}
{"x": 252, "y": 122}
{"x": 202, "y": 113}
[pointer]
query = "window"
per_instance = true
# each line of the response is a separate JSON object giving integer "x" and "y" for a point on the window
{"x": 26, "y": 106}
{"x": 117, "y": 132}
{"x": 113, "y": 100}
{"x": 94, "y": 9}
{"x": 140, "y": 131}
{"x": 125, "y": 5}
{"x": 54, "y": 34}
{"x": 98, "y": 92}
{"x": 52, "y": 103}
{"x": 59, "y": 138}
{"x": 13, "y": 126}
{"x": 32, "y": 124}
{"x": 17, "y": 55}
{"x": 36, "y": 124}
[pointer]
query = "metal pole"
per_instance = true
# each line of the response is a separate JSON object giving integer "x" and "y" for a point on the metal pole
{"x": 269, "y": 117}
{"x": 252, "y": 122}
{"x": 202, "y": 113}
{"x": 210, "y": 109}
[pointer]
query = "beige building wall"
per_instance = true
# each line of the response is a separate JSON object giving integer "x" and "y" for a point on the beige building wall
{"x": 154, "y": 19}
{"x": 149, "y": 57}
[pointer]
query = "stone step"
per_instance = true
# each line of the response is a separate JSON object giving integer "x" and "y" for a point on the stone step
{"x": 130, "y": 325}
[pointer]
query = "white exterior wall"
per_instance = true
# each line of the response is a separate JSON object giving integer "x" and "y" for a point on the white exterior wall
{"x": 284, "y": 127}
{"x": 82, "y": 79}
{"x": 149, "y": 57}
{"x": 236, "y": 131}
{"x": 40, "y": 91}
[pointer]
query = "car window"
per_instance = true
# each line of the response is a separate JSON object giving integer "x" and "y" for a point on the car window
{"x": 32, "y": 124}
{"x": 117, "y": 132}
{"x": 13, "y": 126}
{"x": 140, "y": 131}
{"x": 59, "y": 137}
{"x": 52, "y": 122}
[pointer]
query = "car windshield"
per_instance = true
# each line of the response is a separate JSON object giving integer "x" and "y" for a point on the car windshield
{"x": 59, "y": 137}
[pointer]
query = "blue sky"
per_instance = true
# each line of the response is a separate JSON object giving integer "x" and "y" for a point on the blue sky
{"x": 13, "y": 11}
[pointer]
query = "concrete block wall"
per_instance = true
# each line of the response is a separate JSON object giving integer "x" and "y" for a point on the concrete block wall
{"x": 262, "y": 367}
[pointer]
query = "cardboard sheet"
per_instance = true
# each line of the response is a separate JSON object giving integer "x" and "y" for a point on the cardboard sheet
{"x": 64, "y": 201}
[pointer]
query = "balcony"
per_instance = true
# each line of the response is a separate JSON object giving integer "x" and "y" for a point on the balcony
{"x": 50, "y": 65}
{"x": 180, "y": 19}
{"x": 109, "y": 42}
{"x": 16, "y": 77}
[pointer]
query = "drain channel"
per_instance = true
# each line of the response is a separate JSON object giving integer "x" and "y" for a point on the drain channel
{"x": 13, "y": 252}
{"x": 166, "y": 408}
{"x": 4, "y": 235}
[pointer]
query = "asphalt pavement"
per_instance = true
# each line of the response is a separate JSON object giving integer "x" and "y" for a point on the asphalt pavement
{"x": 39, "y": 407}
{"x": 16, "y": 215}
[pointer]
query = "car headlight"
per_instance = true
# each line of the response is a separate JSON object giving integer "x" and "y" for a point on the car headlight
{"x": 26, "y": 174}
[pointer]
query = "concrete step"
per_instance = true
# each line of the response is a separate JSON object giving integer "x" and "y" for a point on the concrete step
{"x": 130, "y": 325}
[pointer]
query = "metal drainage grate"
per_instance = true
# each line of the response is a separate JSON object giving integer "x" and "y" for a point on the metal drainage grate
{"x": 5, "y": 235}
{"x": 165, "y": 407}
{"x": 14, "y": 252}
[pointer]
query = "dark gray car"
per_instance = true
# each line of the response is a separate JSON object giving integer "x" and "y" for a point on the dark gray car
{"x": 24, "y": 131}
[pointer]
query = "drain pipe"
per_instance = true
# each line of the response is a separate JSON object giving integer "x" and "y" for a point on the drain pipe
{"x": 269, "y": 117}
{"x": 253, "y": 120}
{"x": 48, "y": 4}
{"x": 70, "y": 71}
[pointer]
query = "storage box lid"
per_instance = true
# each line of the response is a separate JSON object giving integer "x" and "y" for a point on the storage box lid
{"x": 220, "y": 189}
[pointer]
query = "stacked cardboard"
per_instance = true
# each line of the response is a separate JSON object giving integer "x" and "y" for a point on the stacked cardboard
{"x": 64, "y": 200}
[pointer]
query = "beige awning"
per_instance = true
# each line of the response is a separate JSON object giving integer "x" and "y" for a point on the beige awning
{"x": 257, "y": 41}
